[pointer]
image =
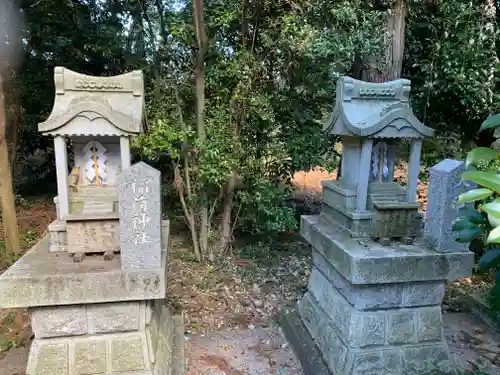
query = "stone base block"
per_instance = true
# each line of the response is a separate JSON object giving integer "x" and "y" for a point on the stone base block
{"x": 157, "y": 349}
{"x": 98, "y": 318}
{"x": 41, "y": 278}
{"x": 364, "y": 262}
{"x": 392, "y": 342}
{"x": 58, "y": 236}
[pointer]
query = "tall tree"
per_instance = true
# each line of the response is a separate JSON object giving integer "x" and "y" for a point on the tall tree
{"x": 9, "y": 40}
{"x": 388, "y": 65}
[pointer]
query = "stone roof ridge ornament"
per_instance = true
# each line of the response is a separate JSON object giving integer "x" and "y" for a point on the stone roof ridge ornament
{"x": 88, "y": 105}
{"x": 376, "y": 110}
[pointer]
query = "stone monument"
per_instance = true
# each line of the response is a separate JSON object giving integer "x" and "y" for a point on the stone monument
{"x": 447, "y": 184}
{"x": 373, "y": 304}
{"x": 102, "y": 314}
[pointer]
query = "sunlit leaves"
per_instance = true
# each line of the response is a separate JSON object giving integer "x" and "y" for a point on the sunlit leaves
{"x": 474, "y": 195}
{"x": 488, "y": 180}
{"x": 480, "y": 155}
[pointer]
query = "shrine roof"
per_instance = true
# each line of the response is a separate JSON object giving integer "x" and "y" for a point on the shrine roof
{"x": 87, "y": 105}
{"x": 377, "y": 110}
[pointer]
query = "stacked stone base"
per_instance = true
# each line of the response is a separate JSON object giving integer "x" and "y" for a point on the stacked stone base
{"x": 372, "y": 309}
{"x": 126, "y": 338}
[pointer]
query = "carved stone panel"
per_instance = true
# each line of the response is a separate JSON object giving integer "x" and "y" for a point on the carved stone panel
{"x": 95, "y": 236}
{"x": 139, "y": 201}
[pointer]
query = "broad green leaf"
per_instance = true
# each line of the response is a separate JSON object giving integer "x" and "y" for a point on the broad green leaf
{"x": 486, "y": 179}
{"x": 471, "y": 214}
{"x": 494, "y": 236}
{"x": 474, "y": 195}
{"x": 462, "y": 224}
{"x": 492, "y": 209}
{"x": 480, "y": 154}
{"x": 491, "y": 122}
{"x": 494, "y": 221}
{"x": 489, "y": 259}
{"x": 468, "y": 235}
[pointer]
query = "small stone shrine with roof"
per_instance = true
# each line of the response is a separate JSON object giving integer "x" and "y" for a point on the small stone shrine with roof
{"x": 372, "y": 120}
{"x": 100, "y": 310}
{"x": 373, "y": 304}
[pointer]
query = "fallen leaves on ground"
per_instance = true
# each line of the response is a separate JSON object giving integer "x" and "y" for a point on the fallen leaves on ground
{"x": 233, "y": 293}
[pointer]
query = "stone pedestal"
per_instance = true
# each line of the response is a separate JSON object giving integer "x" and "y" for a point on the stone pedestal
{"x": 94, "y": 317}
{"x": 373, "y": 309}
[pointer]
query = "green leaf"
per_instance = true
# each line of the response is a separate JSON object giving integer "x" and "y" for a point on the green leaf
{"x": 471, "y": 214}
{"x": 492, "y": 208}
{"x": 490, "y": 259}
{"x": 474, "y": 195}
{"x": 494, "y": 236}
{"x": 468, "y": 235}
{"x": 462, "y": 224}
{"x": 480, "y": 154}
{"x": 491, "y": 122}
{"x": 487, "y": 179}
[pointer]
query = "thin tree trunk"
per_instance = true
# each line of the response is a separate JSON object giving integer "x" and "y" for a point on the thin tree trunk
{"x": 236, "y": 117}
{"x": 390, "y": 66}
{"x": 9, "y": 218}
{"x": 201, "y": 41}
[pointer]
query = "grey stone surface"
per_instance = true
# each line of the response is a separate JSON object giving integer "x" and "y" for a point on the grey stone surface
{"x": 59, "y": 321}
{"x": 41, "y": 278}
{"x": 367, "y": 262}
{"x": 445, "y": 185}
{"x": 114, "y": 317}
{"x": 303, "y": 345}
{"x": 375, "y": 342}
{"x": 58, "y": 236}
{"x": 371, "y": 119}
{"x": 53, "y": 359}
{"x": 118, "y": 353}
{"x": 90, "y": 357}
{"x": 139, "y": 195}
{"x": 93, "y": 236}
{"x": 377, "y": 296}
{"x": 361, "y": 329}
{"x": 366, "y": 109}
{"x": 127, "y": 355}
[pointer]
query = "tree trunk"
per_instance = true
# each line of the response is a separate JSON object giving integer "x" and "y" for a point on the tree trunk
{"x": 201, "y": 41}
{"x": 390, "y": 66}
{"x": 9, "y": 218}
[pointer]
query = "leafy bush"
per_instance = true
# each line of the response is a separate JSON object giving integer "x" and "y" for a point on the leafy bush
{"x": 479, "y": 224}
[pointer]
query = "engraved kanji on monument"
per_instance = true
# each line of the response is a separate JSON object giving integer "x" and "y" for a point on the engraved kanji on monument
{"x": 139, "y": 200}
{"x": 445, "y": 185}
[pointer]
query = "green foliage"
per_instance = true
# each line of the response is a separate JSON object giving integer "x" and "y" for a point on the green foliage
{"x": 482, "y": 220}
{"x": 264, "y": 208}
{"x": 452, "y": 59}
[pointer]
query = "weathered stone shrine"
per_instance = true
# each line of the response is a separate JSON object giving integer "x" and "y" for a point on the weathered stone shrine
{"x": 100, "y": 310}
{"x": 373, "y": 304}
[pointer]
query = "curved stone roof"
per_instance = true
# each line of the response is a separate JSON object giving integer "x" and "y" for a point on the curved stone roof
{"x": 87, "y": 105}
{"x": 377, "y": 110}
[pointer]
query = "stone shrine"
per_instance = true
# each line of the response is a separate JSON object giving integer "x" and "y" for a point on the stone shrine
{"x": 99, "y": 314}
{"x": 97, "y": 116}
{"x": 373, "y": 304}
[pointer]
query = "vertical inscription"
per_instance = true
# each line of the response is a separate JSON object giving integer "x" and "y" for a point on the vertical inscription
{"x": 139, "y": 200}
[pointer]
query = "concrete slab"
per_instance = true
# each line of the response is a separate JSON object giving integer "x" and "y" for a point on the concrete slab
{"x": 41, "y": 278}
